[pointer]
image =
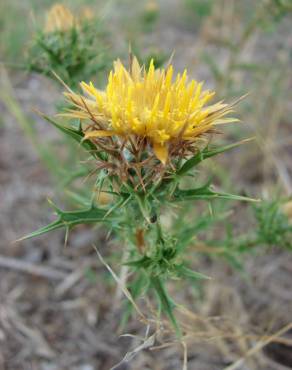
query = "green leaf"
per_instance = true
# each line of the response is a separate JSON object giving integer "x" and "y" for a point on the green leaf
{"x": 143, "y": 262}
{"x": 186, "y": 272}
{"x": 68, "y": 219}
{"x": 137, "y": 288}
{"x": 166, "y": 303}
{"x": 206, "y": 193}
{"x": 77, "y": 135}
{"x": 204, "y": 154}
{"x": 187, "y": 233}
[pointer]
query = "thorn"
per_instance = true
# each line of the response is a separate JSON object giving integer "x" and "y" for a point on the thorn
{"x": 53, "y": 205}
{"x": 62, "y": 82}
{"x": 66, "y": 237}
{"x": 170, "y": 60}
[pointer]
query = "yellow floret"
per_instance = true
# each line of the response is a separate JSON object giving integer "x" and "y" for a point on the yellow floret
{"x": 150, "y": 104}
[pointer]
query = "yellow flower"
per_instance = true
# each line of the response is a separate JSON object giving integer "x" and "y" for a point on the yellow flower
{"x": 60, "y": 18}
{"x": 149, "y": 104}
{"x": 151, "y": 6}
{"x": 86, "y": 14}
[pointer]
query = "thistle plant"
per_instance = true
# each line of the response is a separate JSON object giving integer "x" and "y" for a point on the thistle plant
{"x": 67, "y": 44}
{"x": 146, "y": 134}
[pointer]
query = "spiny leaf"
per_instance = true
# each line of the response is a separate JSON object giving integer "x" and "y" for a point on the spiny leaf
{"x": 206, "y": 193}
{"x": 188, "y": 233}
{"x": 186, "y": 272}
{"x": 77, "y": 135}
{"x": 68, "y": 219}
{"x": 204, "y": 154}
{"x": 166, "y": 303}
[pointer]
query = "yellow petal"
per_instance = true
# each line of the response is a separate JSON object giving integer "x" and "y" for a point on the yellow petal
{"x": 161, "y": 152}
{"x": 148, "y": 103}
{"x": 136, "y": 70}
{"x": 98, "y": 133}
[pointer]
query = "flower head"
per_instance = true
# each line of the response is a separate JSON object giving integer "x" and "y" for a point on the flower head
{"x": 86, "y": 14}
{"x": 150, "y": 104}
{"x": 60, "y": 18}
{"x": 151, "y": 6}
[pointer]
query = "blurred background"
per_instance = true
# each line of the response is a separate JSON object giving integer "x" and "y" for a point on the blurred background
{"x": 59, "y": 307}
